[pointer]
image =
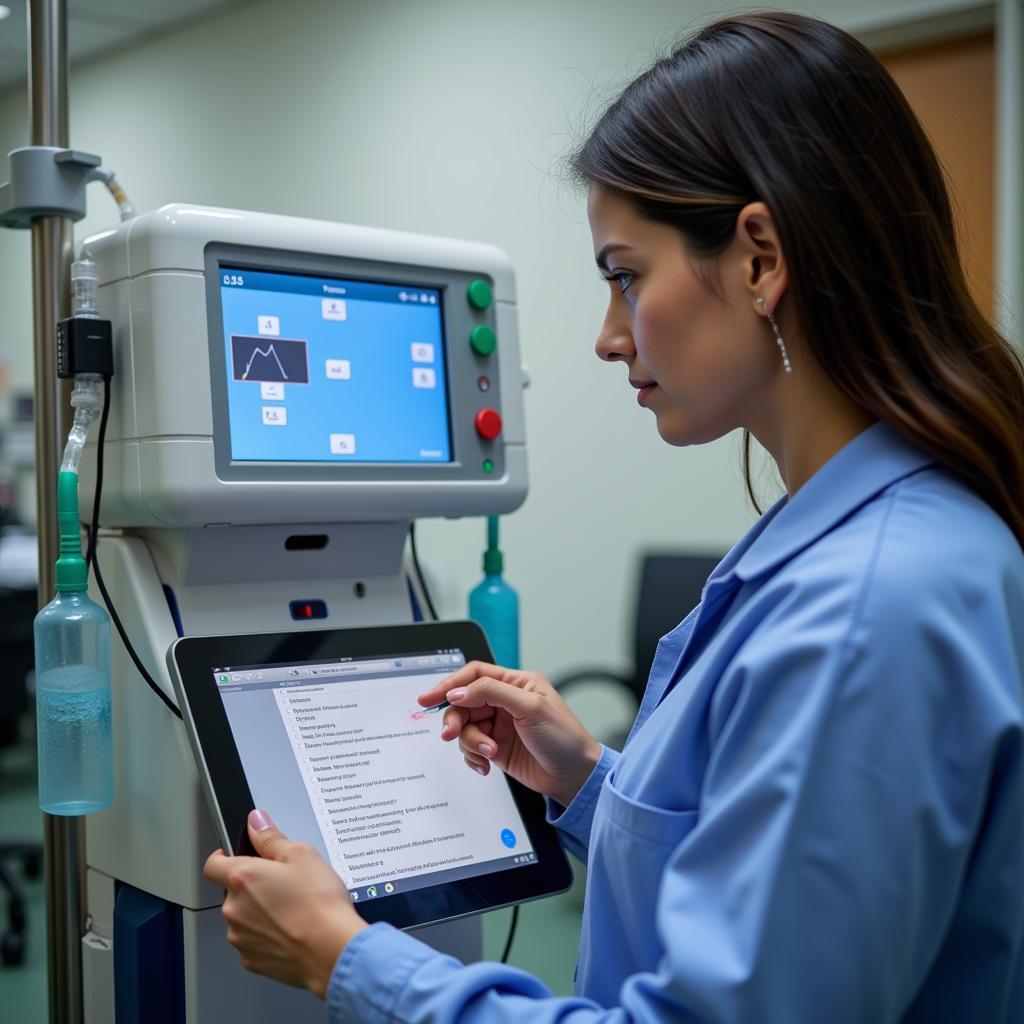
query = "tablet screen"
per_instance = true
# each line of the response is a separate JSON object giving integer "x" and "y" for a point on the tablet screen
{"x": 342, "y": 756}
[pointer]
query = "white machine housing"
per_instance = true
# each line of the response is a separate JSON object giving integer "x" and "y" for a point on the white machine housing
{"x": 188, "y": 549}
{"x": 161, "y": 467}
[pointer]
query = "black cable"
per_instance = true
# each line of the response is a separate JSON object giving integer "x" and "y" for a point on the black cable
{"x": 90, "y": 547}
{"x": 511, "y": 934}
{"x": 93, "y": 560}
{"x": 419, "y": 571}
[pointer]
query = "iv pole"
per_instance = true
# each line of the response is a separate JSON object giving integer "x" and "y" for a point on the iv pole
{"x": 51, "y": 263}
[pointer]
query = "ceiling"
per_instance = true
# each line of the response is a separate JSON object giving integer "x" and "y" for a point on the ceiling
{"x": 96, "y": 26}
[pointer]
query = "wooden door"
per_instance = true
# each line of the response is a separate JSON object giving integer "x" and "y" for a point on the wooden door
{"x": 951, "y": 86}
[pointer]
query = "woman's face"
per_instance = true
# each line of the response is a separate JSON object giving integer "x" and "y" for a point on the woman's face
{"x": 702, "y": 362}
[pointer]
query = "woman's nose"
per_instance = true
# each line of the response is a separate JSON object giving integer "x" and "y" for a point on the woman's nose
{"x": 615, "y": 342}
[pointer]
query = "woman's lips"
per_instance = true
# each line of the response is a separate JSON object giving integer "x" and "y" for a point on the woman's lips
{"x": 644, "y": 391}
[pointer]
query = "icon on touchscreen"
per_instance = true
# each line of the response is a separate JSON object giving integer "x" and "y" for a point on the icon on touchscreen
{"x": 388, "y": 887}
{"x": 371, "y": 891}
{"x": 508, "y": 837}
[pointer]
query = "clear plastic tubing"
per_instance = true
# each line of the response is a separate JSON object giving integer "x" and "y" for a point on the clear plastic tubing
{"x": 87, "y": 396}
{"x": 85, "y": 283}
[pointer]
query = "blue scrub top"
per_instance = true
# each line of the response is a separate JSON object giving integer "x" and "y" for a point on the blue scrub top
{"x": 819, "y": 812}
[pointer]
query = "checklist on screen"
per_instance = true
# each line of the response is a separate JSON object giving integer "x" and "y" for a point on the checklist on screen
{"x": 393, "y": 806}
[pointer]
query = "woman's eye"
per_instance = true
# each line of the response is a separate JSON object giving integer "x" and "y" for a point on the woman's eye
{"x": 623, "y": 278}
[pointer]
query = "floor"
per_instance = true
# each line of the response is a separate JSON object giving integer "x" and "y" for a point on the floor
{"x": 545, "y": 942}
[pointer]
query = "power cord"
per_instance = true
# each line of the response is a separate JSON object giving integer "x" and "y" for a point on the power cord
{"x": 433, "y": 614}
{"x": 92, "y": 559}
{"x": 511, "y": 934}
{"x": 419, "y": 572}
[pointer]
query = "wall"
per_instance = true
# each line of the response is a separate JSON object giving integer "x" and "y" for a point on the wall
{"x": 447, "y": 117}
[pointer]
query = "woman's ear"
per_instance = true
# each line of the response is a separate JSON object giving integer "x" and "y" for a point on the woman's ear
{"x": 766, "y": 273}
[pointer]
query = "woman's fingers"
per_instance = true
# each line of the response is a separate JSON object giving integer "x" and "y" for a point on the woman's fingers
{"x": 493, "y": 693}
{"x": 463, "y": 677}
{"x": 479, "y": 764}
{"x": 454, "y": 720}
{"x": 472, "y": 717}
{"x": 218, "y": 868}
{"x": 473, "y": 741}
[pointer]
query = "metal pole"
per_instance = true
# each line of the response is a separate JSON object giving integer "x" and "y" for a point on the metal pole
{"x": 51, "y": 259}
{"x": 1010, "y": 168}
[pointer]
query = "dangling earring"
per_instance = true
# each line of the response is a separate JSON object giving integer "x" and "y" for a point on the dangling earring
{"x": 778, "y": 336}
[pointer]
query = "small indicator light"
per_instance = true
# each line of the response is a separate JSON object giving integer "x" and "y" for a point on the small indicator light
{"x": 305, "y": 610}
{"x": 488, "y": 466}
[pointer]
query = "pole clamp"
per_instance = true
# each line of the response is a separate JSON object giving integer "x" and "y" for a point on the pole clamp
{"x": 47, "y": 181}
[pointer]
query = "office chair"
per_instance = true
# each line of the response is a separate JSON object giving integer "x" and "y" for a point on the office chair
{"x": 670, "y": 587}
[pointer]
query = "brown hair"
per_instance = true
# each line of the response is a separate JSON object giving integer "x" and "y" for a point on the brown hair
{"x": 797, "y": 113}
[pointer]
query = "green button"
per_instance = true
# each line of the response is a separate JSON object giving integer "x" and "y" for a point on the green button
{"x": 488, "y": 466}
{"x": 479, "y": 294}
{"x": 483, "y": 340}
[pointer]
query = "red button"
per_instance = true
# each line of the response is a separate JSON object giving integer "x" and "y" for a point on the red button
{"x": 488, "y": 424}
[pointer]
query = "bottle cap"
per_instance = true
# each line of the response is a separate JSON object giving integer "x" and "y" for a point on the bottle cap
{"x": 71, "y": 573}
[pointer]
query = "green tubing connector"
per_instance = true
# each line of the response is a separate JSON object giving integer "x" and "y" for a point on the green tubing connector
{"x": 72, "y": 572}
{"x": 494, "y": 560}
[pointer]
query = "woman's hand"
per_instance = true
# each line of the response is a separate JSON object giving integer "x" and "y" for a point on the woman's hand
{"x": 288, "y": 913}
{"x": 517, "y": 721}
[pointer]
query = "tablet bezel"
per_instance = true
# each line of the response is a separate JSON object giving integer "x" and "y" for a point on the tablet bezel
{"x": 192, "y": 661}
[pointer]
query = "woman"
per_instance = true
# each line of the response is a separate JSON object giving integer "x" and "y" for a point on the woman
{"x": 819, "y": 813}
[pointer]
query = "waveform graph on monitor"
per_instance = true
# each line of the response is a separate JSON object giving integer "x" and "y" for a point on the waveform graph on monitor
{"x": 269, "y": 360}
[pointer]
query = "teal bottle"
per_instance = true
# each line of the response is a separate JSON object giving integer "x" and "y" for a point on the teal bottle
{"x": 495, "y": 605}
{"x": 73, "y": 712}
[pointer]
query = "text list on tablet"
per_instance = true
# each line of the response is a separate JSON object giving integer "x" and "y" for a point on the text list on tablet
{"x": 342, "y": 756}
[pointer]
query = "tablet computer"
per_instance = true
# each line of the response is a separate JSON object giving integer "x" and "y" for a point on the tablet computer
{"x": 322, "y": 729}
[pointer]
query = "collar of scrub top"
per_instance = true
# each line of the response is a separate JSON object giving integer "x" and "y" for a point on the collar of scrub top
{"x": 860, "y": 470}
{"x": 863, "y": 468}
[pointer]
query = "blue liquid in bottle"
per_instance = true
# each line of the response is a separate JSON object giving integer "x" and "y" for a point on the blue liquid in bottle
{"x": 495, "y": 605}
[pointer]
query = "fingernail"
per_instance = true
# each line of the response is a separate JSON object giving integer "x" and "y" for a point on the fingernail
{"x": 477, "y": 769}
{"x": 457, "y": 694}
{"x": 260, "y": 820}
{"x": 486, "y": 748}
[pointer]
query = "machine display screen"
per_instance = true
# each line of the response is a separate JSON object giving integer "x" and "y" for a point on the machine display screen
{"x": 330, "y": 370}
{"x": 343, "y": 756}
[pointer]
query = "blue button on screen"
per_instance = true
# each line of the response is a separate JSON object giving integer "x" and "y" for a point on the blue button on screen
{"x": 508, "y": 837}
